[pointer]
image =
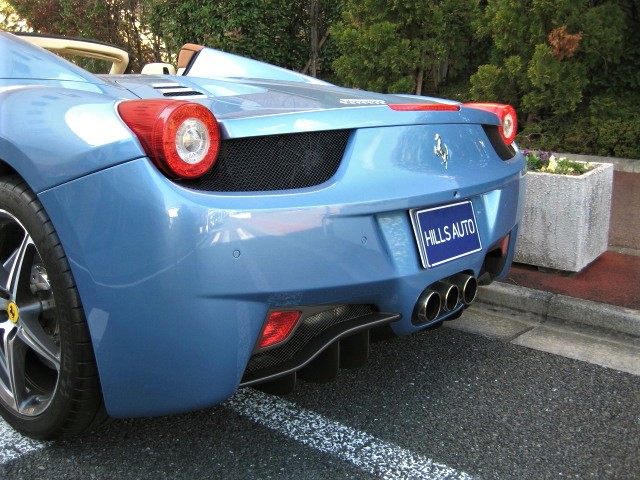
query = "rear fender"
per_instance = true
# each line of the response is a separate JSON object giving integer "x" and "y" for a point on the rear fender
{"x": 52, "y": 135}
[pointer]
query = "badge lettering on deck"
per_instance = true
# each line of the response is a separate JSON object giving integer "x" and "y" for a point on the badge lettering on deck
{"x": 446, "y": 233}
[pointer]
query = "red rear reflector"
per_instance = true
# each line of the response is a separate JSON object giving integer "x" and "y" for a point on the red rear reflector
{"x": 418, "y": 107}
{"x": 504, "y": 245}
{"x": 279, "y": 326}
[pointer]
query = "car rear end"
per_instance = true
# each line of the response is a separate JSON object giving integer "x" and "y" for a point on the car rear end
{"x": 312, "y": 226}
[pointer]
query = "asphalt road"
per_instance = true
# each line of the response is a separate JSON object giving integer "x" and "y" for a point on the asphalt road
{"x": 439, "y": 404}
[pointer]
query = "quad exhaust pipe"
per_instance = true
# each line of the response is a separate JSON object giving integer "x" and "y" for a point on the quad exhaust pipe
{"x": 468, "y": 286}
{"x": 428, "y": 306}
{"x": 449, "y": 294}
{"x": 444, "y": 296}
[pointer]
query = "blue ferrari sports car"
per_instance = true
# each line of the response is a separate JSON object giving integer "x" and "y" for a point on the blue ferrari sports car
{"x": 169, "y": 237}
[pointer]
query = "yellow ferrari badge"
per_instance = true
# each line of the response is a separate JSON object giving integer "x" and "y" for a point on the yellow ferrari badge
{"x": 13, "y": 312}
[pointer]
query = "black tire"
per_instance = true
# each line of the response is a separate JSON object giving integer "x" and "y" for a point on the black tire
{"x": 49, "y": 385}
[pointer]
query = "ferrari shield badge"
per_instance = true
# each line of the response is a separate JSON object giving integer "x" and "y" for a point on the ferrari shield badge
{"x": 12, "y": 312}
{"x": 441, "y": 150}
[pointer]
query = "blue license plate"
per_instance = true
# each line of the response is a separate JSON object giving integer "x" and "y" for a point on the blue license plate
{"x": 446, "y": 233}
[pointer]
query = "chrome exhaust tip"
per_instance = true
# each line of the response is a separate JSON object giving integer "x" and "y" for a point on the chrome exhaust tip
{"x": 428, "y": 306}
{"x": 449, "y": 294}
{"x": 468, "y": 286}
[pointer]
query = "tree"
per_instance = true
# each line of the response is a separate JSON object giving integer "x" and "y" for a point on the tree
{"x": 10, "y": 20}
{"x": 566, "y": 47}
{"x": 314, "y": 42}
{"x": 269, "y": 30}
{"x": 403, "y": 45}
{"x": 559, "y": 63}
{"x": 119, "y": 22}
{"x": 275, "y": 31}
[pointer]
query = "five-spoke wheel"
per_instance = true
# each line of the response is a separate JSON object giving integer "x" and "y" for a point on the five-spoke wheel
{"x": 49, "y": 384}
{"x": 30, "y": 348}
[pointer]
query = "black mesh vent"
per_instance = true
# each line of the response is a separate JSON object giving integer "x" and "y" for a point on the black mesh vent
{"x": 275, "y": 162}
{"x": 176, "y": 90}
{"x": 311, "y": 327}
{"x": 183, "y": 93}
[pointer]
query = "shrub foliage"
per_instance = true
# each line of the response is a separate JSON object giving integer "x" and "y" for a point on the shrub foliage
{"x": 571, "y": 68}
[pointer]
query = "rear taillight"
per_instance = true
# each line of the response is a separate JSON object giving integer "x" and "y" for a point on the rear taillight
{"x": 278, "y": 327}
{"x": 506, "y": 114}
{"x": 181, "y": 138}
{"x": 420, "y": 107}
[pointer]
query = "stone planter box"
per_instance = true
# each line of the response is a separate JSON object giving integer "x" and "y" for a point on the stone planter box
{"x": 565, "y": 224}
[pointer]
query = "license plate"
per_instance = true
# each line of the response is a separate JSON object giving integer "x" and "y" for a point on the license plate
{"x": 446, "y": 233}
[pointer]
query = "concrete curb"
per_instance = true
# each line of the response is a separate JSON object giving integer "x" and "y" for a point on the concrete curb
{"x": 553, "y": 306}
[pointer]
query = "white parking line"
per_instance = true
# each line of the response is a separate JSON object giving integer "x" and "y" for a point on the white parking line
{"x": 13, "y": 445}
{"x": 366, "y": 452}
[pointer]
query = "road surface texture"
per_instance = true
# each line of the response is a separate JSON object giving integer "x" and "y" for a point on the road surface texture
{"x": 445, "y": 403}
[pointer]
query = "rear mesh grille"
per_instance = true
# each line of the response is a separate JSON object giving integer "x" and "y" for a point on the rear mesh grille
{"x": 275, "y": 162}
{"x": 309, "y": 328}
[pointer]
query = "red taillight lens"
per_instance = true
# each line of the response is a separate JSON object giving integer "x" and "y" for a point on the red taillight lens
{"x": 507, "y": 115}
{"x": 279, "y": 326}
{"x": 182, "y": 138}
{"x": 418, "y": 107}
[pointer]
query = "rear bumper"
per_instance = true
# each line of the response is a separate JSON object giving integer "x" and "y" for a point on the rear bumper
{"x": 176, "y": 283}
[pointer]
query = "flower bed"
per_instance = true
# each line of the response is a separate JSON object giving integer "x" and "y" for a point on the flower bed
{"x": 547, "y": 162}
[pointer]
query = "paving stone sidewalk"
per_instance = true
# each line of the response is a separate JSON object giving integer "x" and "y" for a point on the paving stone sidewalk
{"x": 606, "y": 294}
